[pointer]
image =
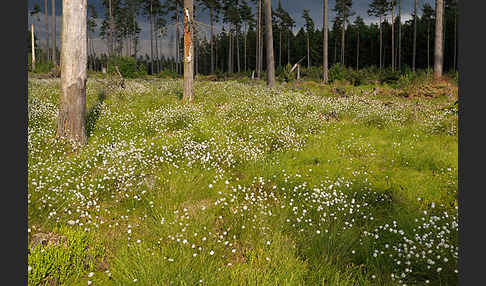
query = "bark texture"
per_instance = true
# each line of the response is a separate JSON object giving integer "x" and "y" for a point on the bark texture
{"x": 54, "y": 36}
{"x": 188, "y": 94}
{"x": 325, "y": 66}
{"x": 438, "y": 53}
{"x": 72, "y": 104}
{"x": 269, "y": 44}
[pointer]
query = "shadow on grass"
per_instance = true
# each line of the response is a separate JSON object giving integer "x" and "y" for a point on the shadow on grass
{"x": 94, "y": 113}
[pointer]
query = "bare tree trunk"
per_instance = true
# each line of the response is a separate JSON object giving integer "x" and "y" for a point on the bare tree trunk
{"x": 280, "y": 48}
{"x": 196, "y": 48}
{"x": 438, "y": 52}
{"x": 54, "y": 57}
{"x": 178, "y": 67}
{"x": 246, "y": 35}
{"x": 414, "y": 35}
{"x": 151, "y": 42}
{"x": 188, "y": 94}
{"x": 381, "y": 44}
{"x": 325, "y": 69}
{"x": 400, "y": 35}
{"x": 259, "y": 42}
{"x": 230, "y": 49}
{"x": 393, "y": 36}
{"x": 72, "y": 103}
{"x": 342, "y": 37}
{"x": 212, "y": 39}
{"x": 357, "y": 53}
{"x": 428, "y": 44}
{"x": 33, "y": 47}
{"x": 269, "y": 44}
{"x": 48, "y": 57}
{"x": 238, "y": 49}
{"x": 455, "y": 39}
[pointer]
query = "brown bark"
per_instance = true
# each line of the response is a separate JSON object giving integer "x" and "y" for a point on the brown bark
{"x": 357, "y": 52}
{"x": 48, "y": 57}
{"x": 259, "y": 41}
{"x": 343, "y": 30}
{"x": 212, "y": 39}
{"x": 438, "y": 53}
{"x": 54, "y": 36}
{"x": 72, "y": 103}
{"x": 151, "y": 41}
{"x": 414, "y": 35}
{"x": 269, "y": 44}
{"x": 400, "y": 34}
{"x": 325, "y": 69}
{"x": 188, "y": 94}
{"x": 381, "y": 44}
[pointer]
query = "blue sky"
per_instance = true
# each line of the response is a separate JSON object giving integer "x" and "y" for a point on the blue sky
{"x": 294, "y": 7}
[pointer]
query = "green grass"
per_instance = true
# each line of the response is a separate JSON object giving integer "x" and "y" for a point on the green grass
{"x": 247, "y": 186}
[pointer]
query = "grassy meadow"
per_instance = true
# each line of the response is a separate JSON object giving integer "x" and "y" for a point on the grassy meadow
{"x": 299, "y": 185}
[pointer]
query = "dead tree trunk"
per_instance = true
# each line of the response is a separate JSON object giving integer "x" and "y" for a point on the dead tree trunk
{"x": 269, "y": 44}
{"x": 399, "y": 34}
{"x": 212, "y": 39}
{"x": 188, "y": 94}
{"x": 47, "y": 32}
{"x": 414, "y": 35}
{"x": 325, "y": 69}
{"x": 438, "y": 54}
{"x": 54, "y": 57}
{"x": 72, "y": 104}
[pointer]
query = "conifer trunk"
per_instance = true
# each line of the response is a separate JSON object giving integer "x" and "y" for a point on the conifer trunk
{"x": 188, "y": 93}
{"x": 54, "y": 57}
{"x": 46, "y": 11}
{"x": 269, "y": 44}
{"x": 72, "y": 103}
{"x": 325, "y": 69}
{"x": 438, "y": 53}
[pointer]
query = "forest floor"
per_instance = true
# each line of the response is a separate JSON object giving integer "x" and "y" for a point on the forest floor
{"x": 304, "y": 184}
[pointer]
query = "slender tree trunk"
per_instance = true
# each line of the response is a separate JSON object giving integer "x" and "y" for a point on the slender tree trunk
{"x": 33, "y": 47}
{"x": 196, "y": 48}
{"x": 46, "y": 12}
{"x": 72, "y": 103}
{"x": 212, "y": 38}
{"x": 259, "y": 38}
{"x": 400, "y": 34}
{"x": 238, "y": 49}
{"x": 280, "y": 48}
{"x": 357, "y": 52}
{"x": 269, "y": 44}
{"x": 260, "y": 57}
{"x": 381, "y": 44}
{"x": 178, "y": 67}
{"x": 455, "y": 38}
{"x": 112, "y": 29}
{"x": 188, "y": 94}
{"x": 54, "y": 37}
{"x": 438, "y": 52}
{"x": 230, "y": 49}
{"x": 428, "y": 44}
{"x": 414, "y": 35}
{"x": 151, "y": 41}
{"x": 244, "y": 44}
{"x": 393, "y": 36}
{"x": 325, "y": 69}
{"x": 342, "y": 37}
